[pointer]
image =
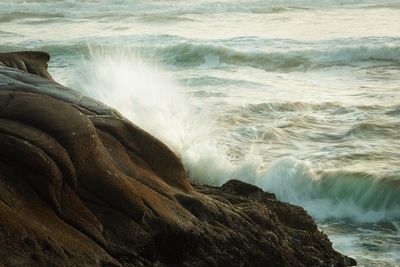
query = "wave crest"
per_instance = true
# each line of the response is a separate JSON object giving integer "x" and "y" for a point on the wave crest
{"x": 358, "y": 196}
{"x": 191, "y": 55}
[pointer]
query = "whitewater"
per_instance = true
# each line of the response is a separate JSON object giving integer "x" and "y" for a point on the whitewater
{"x": 300, "y": 98}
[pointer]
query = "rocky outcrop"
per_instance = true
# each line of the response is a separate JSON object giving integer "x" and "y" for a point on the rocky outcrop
{"x": 82, "y": 186}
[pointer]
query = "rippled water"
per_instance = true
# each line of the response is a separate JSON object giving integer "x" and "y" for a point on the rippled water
{"x": 298, "y": 97}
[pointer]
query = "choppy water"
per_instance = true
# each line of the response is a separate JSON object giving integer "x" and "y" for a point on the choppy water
{"x": 298, "y": 97}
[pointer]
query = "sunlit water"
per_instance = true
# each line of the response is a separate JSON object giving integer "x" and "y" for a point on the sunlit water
{"x": 298, "y": 97}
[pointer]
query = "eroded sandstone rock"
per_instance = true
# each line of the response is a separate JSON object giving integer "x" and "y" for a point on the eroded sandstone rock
{"x": 81, "y": 185}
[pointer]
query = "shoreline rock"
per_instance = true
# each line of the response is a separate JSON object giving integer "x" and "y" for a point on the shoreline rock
{"x": 81, "y": 185}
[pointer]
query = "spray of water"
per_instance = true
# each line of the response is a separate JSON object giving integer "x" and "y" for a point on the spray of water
{"x": 141, "y": 90}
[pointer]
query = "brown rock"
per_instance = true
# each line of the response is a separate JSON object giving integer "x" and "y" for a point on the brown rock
{"x": 81, "y": 185}
{"x": 34, "y": 62}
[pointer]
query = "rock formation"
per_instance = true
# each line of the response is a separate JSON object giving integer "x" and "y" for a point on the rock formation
{"x": 80, "y": 185}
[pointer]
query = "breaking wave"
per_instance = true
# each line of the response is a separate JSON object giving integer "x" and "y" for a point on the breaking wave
{"x": 358, "y": 196}
{"x": 189, "y": 55}
{"x": 144, "y": 93}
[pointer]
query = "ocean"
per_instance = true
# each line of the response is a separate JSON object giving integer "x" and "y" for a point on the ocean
{"x": 299, "y": 97}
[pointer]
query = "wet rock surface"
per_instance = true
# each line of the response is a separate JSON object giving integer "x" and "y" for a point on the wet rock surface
{"x": 81, "y": 185}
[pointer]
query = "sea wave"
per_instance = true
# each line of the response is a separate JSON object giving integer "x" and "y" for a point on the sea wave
{"x": 125, "y": 9}
{"x": 394, "y": 112}
{"x": 304, "y": 121}
{"x": 332, "y": 107}
{"x": 24, "y": 15}
{"x": 268, "y": 54}
{"x": 358, "y": 196}
{"x": 374, "y": 128}
{"x": 191, "y": 55}
{"x": 295, "y": 106}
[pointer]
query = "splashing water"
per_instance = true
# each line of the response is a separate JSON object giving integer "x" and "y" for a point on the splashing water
{"x": 141, "y": 90}
{"x": 145, "y": 94}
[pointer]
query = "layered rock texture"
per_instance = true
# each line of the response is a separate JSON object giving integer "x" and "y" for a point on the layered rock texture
{"x": 80, "y": 185}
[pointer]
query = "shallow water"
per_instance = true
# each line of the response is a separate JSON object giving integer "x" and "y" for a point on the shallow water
{"x": 298, "y": 97}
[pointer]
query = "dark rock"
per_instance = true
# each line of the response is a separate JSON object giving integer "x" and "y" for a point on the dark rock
{"x": 34, "y": 62}
{"x": 81, "y": 185}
